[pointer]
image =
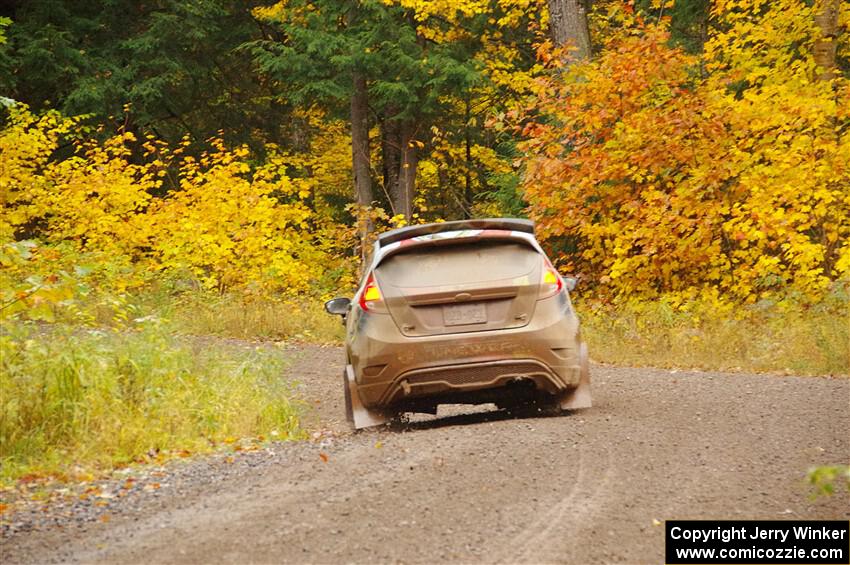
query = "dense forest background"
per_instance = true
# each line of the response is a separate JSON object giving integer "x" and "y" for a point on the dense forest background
{"x": 686, "y": 148}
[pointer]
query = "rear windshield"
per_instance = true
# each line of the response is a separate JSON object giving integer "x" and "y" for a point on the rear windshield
{"x": 458, "y": 264}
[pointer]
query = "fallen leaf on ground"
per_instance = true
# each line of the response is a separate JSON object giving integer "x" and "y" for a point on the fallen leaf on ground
{"x": 30, "y": 478}
{"x": 324, "y": 457}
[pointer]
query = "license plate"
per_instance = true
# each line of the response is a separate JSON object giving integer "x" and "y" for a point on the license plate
{"x": 462, "y": 314}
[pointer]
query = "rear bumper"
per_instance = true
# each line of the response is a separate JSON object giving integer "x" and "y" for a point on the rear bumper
{"x": 391, "y": 369}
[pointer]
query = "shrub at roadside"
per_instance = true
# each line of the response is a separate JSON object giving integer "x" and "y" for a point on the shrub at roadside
{"x": 92, "y": 376}
{"x": 225, "y": 224}
{"x": 654, "y": 172}
{"x": 829, "y": 479}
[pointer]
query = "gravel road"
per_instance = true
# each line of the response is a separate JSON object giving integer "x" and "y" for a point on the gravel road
{"x": 470, "y": 486}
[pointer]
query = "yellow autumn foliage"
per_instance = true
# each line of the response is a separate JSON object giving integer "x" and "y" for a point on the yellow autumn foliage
{"x": 227, "y": 225}
{"x": 656, "y": 180}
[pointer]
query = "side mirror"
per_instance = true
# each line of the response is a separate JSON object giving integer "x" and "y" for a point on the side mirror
{"x": 338, "y": 306}
{"x": 570, "y": 283}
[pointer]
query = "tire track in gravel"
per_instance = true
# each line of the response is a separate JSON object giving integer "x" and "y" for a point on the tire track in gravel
{"x": 542, "y": 541}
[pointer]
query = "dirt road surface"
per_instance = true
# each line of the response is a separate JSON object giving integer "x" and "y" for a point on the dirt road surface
{"x": 466, "y": 486}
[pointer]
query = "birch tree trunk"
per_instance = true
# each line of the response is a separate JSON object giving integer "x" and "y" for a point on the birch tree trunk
{"x": 825, "y": 46}
{"x": 568, "y": 25}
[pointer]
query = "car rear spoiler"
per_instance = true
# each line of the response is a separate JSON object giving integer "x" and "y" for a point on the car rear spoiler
{"x": 508, "y": 224}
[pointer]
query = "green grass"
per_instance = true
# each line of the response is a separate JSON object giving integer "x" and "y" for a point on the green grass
{"x": 75, "y": 398}
{"x": 764, "y": 337}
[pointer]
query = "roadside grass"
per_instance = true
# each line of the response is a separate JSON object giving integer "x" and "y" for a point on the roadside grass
{"x": 229, "y": 316}
{"x": 77, "y": 400}
{"x": 789, "y": 338}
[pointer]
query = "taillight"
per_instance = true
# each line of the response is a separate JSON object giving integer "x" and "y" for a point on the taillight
{"x": 552, "y": 283}
{"x": 371, "y": 298}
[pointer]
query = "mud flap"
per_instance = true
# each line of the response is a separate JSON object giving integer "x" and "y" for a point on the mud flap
{"x": 349, "y": 413}
{"x": 362, "y": 416}
{"x": 579, "y": 397}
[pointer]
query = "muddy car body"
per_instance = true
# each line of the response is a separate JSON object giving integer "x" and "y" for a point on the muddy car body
{"x": 462, "y": 312}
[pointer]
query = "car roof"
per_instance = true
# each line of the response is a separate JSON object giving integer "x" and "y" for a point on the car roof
{"x": 510, "y": 224}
